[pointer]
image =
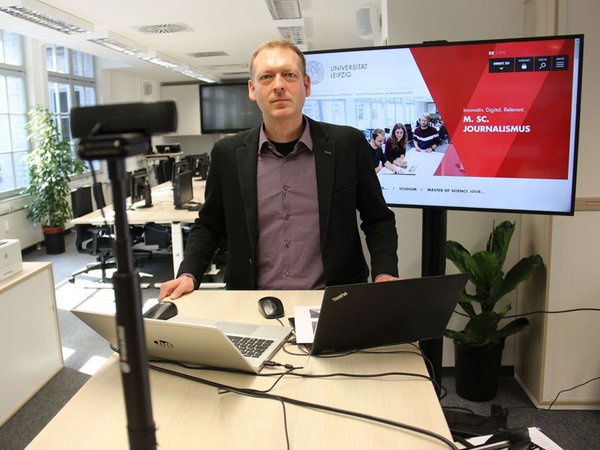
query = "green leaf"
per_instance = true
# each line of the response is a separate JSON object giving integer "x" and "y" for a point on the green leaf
{"x": 50, "y": 164}
{"x": 521, "y": 271}
{"x": 511, "y": 328}
{"x": 486, "y": 275}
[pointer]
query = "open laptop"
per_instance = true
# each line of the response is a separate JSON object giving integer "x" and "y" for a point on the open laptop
{"x": 366, "y": 315}
{"x": 199, "y": 341}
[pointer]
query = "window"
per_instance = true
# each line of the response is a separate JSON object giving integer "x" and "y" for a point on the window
{"x": 13, "y": 114}
{"x": 71, "y": 83}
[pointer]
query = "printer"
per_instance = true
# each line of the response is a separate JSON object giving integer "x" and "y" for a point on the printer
{"x": 11, "y": 261}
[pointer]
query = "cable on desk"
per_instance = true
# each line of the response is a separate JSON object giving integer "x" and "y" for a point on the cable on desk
{"x": 259, "y": 394}
{"x": 561, "y": 311}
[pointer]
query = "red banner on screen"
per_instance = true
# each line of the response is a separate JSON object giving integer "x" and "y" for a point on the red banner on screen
{"x": 507, "y": 107}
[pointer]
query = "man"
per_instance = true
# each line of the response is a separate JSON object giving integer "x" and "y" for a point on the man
{"x": 284, "y": 195}
{"x": 425, "y": 136}
{"x": 377, "y": 157}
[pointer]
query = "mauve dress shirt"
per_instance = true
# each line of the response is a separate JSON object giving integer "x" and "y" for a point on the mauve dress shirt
{"x": 289, "y": 243}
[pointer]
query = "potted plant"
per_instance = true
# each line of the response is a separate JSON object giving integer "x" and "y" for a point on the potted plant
{"x": 478, "y": 347}
{"x": 51, "y": 165}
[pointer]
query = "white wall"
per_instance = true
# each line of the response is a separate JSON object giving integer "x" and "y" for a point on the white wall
{"x": 558, "y": 351}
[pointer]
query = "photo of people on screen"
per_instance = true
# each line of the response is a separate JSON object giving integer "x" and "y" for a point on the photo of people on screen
{"x": 425, "y": 136}
{"x": 377, "y": 156}
{"x": 395, "y": 146}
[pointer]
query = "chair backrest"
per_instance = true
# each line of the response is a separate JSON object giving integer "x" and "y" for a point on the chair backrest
{"x": 98, "y": 193}
{"x": 81, "y": 202}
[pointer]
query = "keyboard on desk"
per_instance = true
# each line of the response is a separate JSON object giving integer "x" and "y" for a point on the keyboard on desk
{"x": 250, "y": 347}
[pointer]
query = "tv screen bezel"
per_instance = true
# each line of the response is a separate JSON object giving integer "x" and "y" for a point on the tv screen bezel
{"x": 224, "y": 130}
{"x": 577, "y": 77}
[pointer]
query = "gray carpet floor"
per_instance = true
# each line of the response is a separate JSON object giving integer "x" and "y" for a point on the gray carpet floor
{"x": 571, "y": 430}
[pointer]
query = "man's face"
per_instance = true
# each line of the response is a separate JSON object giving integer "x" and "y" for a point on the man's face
{"x": 278, "y": 85}
{"x": 379, "y": 140}
{"x": 424, "y": 121}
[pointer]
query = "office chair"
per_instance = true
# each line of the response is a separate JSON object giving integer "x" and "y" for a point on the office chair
{"x": 91, "y": 239}
{"x": 136, "y": 231}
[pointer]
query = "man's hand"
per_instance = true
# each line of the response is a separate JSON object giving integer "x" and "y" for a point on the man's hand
{"x": 176, "y": 288}
{"x": 383, "y": 278}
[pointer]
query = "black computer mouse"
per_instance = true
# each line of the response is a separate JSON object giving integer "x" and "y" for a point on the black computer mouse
{"x": 271, "y": 307}
{"x": 162, "y": 310}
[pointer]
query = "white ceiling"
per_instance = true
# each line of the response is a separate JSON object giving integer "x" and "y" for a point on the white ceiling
{"x": 233, "y": 26}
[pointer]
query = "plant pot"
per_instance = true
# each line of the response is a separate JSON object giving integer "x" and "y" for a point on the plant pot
{"x": 477, "y": 371}
{"x": 54, "y": 238}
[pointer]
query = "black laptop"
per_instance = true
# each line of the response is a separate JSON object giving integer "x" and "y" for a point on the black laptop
{"x": 358, "y": 316}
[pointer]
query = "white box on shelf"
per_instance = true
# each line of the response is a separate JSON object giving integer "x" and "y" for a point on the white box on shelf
{"x": 11, "y": 260}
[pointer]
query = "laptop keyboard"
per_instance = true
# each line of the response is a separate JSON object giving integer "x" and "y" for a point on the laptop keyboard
{"x": 250, "y": 347}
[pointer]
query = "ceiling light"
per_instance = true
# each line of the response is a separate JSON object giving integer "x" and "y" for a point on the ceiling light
{"x": 117, "y": 42}
{"x": 284, "y": 9}
{"x": 158, "y": 59}
{"x": 293, "y": 34}
{"x": 193, "y": 73}
{"x": 45, "y": 15}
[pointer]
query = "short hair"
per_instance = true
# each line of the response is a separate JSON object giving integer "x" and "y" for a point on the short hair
{"x": 426, "y": 115}
{"x": 279, "y": 43}
{"x": 376, "y": 132}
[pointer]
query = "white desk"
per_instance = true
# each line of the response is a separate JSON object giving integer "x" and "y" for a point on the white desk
{"x": 162, "y": 211}
{"x": 418, "y": 163}
{"x": 190, "y": 415}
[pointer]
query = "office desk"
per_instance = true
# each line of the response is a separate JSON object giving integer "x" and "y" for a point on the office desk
{"x": 162, "y": 211}
{"x": 419, "y": 163}
{"x": 189, "y": 415}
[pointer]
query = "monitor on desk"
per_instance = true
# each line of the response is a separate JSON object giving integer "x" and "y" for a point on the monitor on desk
{"x": 139, "y": 179}
{"x": 168, "y": 148}
{"x": 199, "y": 165}
{"x": 177, "y": 167}
{"x": 183, "y": 191}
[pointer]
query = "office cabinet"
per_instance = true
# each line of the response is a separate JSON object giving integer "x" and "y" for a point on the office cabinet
{"x": 559, "y": 351}
{"x": 31, "y": 350}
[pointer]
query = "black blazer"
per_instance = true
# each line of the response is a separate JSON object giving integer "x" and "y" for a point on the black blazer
{"x": 346, "y": 183}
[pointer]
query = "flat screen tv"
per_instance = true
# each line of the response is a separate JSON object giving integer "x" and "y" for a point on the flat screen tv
{"x": 226, "y": 108}
{"x": 505, "y": 112}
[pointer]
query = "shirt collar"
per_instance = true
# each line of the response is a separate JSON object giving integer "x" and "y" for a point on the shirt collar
{"x": 305, "y": 137}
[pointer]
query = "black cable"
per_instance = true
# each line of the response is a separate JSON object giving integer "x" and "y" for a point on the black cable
{"x": 285, "y": 427}
{"x": 536, "y": 312}
{"x": 258, "y": 394}
{"x": 570, "y": 389}
{"x": 290, "y": 372}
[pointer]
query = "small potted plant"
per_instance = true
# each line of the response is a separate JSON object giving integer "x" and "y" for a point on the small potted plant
{"x": 51, "y": 165}
{"x": 478, "y": 347}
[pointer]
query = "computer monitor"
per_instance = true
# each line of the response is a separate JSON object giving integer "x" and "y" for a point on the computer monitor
{"x": 139, "y": 179}
{"x": 183, "y": 191}
{"x": 199, "y": 165}
{"x": 178, "y": 167}
{"x": 168, "y": 148}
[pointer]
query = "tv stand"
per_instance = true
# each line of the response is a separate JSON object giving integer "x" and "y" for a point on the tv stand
{"x": 433, "y": 262}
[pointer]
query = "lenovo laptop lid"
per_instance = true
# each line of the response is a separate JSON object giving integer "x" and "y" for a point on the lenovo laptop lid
{"x": 369, "y": 315}
{"x": 197, "y": 341}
